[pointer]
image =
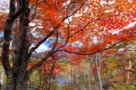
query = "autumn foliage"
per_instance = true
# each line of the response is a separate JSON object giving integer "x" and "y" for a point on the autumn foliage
{"x": 73, "y": 28}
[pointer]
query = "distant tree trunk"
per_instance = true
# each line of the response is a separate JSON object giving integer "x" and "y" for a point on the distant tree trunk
{"x": 97, "y": 57}
{"x": 74, "y": 76}
{"x": 89, "y": 75}
{"x": 129, "y": 73}
{"x": 71, "y": 75}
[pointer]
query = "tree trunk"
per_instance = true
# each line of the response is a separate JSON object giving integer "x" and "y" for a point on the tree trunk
{"x": 17, "y": 72}
{"x": 16, "y": 84}
{"x": 97, "y": 57}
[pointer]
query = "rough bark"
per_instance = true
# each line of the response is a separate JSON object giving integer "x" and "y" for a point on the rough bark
{"x": 17, "y": 73}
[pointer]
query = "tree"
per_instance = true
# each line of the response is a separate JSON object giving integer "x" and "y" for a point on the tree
{"x": 71, "y": 25}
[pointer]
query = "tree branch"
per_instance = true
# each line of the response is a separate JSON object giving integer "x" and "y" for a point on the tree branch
{"x": 92, "y": 52}
{"x": 34, "y": 48}
{"x": 7, "y": 37}
{"x": 81, "y": 29}
{"x": 45, "y": 58}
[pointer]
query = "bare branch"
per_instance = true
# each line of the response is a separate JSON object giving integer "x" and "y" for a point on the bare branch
{"x": 34, "y": 48}
{"x": 53, "y": 65}
{"x": 46, "y": 57}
